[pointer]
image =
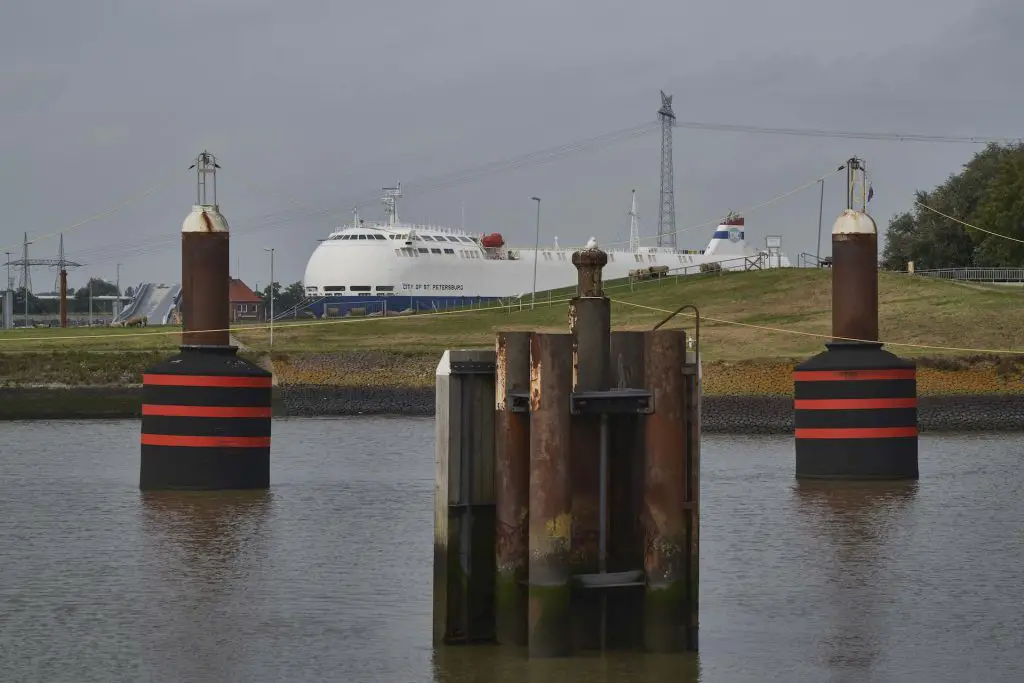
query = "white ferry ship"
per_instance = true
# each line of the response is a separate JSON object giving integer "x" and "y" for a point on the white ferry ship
{"x": 396, "y": 266}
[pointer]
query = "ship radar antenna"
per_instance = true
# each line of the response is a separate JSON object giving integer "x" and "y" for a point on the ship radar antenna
{"x": 667, "y": 211}
{"x": 391, "y": 196}
{"x": 206, "y": 165}
{"x": 634, "y": 228}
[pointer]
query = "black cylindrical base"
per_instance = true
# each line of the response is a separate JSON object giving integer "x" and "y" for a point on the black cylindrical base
{"x": 855, "y": 413}
{"x": 206, "y": 418}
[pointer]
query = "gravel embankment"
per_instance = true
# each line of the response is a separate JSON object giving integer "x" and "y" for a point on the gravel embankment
{"x": 719, "y": 414}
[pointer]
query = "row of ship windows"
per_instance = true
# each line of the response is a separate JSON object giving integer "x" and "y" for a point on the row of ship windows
{"x": 355, "y": 288}
{"x": 546, "y": 255}
{"x": 424, "y": 238}
{"x": 409, "y": 251}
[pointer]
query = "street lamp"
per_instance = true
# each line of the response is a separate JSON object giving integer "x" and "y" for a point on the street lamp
{"x": 536, "y": 251}
{"x": 271, "y": 250}
{"x": 821, "y": 207}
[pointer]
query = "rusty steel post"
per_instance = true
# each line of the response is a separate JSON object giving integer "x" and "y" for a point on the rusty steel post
{"x": 668, "y": 606}
{"x": 590, "y": 322}
{"x": 512, "y": 475}
{"x": 63, "y": 298}
{"x": 550, "y": 522}
{"x": 205, "y": 278}
{"x": 590, "y": 327}
{"x": 855, "y": 277}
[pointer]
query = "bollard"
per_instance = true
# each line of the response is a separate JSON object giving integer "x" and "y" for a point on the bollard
{"x": 512, "y": 484}
{"x": 206, "y": 413}
{"x": 550, "y": 523}
{"x": 668, "y": 498}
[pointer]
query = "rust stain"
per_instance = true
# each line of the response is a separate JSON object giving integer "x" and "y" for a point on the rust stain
{"x": 500, "y": 377}
{"x": 535, "y": 373}
{"x": 665, "y": 467}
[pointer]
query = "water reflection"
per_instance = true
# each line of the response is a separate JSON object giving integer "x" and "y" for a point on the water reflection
{"x": 203, "y": 550}
{"x": 493, "y": 664}
{"x": 862, "y": 523}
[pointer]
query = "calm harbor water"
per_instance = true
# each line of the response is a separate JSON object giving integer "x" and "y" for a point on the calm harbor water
{"x": 328, "y": 575}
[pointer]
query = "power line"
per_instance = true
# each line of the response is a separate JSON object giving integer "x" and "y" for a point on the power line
{"x": 968, "y": 225}
{"x": 854, "y": 135}
{"x": 454, "y": 178}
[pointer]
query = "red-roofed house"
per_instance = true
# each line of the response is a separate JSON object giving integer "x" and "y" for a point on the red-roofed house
{"x": 246, "y": 306}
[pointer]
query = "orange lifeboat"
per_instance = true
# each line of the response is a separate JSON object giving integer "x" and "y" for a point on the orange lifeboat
{"x": 493, "y": 241}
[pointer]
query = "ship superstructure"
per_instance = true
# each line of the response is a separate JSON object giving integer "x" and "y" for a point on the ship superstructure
{"x": 401, "y": 265}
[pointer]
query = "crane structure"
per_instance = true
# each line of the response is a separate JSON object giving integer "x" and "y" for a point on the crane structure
{"x": 61, "y": 263}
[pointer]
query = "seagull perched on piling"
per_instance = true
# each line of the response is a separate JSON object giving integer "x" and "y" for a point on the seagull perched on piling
{"x": 592, "y": 243}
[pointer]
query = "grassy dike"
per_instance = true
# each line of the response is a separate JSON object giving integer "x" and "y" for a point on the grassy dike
{"x": 96, "y": 372}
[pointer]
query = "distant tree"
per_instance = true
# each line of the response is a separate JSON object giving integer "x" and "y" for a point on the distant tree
{"x": 98, "y": 287}
{"x": 129, "y": 291}
{"x": 35, "y": 304}
{"x": 284, "y": 299}
{"x": 987, "y": 193}
{"x": 1001, "y": 210}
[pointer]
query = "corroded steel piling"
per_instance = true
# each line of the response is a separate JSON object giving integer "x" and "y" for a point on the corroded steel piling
{"x": 596, "y": 449}
{"x": 667, "y": 498}
{"x": 625, "y": 606}
{"x": 205, "y": 278}
{"x": 512, "y": 478}
{"x": 590, "y": 327}
{"x": 855, "y": 277}
{"x": 550, "y": 519}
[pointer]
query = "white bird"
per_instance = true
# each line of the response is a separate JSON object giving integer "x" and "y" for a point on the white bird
{"x": 592, "y": 243}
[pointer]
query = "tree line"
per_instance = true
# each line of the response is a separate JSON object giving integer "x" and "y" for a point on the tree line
{"x": 988, "y": 193}
{"x": 78, "y": 299}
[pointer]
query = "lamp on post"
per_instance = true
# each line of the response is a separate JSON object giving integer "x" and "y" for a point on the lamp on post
{"x": 536, "y": 251}
{"x": 271, "y": 250}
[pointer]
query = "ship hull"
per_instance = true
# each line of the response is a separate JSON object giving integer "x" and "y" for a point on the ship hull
{"x": 364, "y": 271}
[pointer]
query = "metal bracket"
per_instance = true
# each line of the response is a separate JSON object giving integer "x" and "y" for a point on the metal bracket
{"x": 696, "y": 322}
{"x": 469, "y": 367}
{"x": 518, "y": 402}
{"x": 612, "y": 402}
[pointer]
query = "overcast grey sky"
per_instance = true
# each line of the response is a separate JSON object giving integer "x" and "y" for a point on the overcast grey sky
{"x": 310, "y": 103}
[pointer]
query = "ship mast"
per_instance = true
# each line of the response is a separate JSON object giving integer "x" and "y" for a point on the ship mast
{"x": 391, "y": 195}
{"x": 634, "y": 229}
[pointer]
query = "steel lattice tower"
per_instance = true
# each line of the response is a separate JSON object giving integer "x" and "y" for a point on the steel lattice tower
{"x": 667, "y": 213}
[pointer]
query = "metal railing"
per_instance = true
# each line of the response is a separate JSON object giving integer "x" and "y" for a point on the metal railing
{"x": 806, "y": 260}
{"x": 975, "y": 274}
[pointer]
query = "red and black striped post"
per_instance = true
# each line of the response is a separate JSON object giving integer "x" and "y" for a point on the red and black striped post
{"x": 855, "y": 405}
{"x": 855, "y": 413}
{"x": 206, "y": 413}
